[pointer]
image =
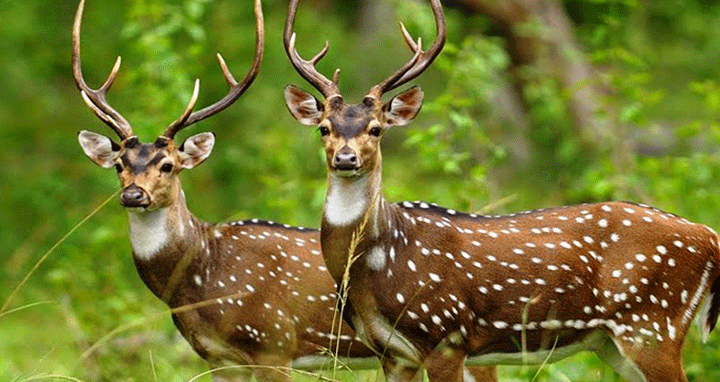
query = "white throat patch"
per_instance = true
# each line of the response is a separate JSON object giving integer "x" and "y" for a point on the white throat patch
{"x": 148, "y": 232}
{"x": 346, "y": 201}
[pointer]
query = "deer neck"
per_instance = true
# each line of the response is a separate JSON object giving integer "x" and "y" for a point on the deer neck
{"x": 354, "y": 217}
{"x": 165, "y": 242}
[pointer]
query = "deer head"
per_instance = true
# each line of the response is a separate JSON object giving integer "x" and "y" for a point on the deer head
{"x": 148, "y": 171}
{"x": 351, "y": 133}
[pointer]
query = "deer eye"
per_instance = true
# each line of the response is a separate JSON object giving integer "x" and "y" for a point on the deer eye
{"x": 167, "y": 167}
{"x": 118, "y": 168}
{"x": 375, "y": 131}
{"x": 324, "y": 130}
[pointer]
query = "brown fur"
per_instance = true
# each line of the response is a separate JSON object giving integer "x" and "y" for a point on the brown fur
{"x": 249, "y": 292}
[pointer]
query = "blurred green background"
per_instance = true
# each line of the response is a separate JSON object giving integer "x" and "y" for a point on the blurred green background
{"x": 542, "y": 104}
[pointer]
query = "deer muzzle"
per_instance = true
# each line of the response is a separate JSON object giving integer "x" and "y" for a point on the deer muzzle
{"x": 134, "y": 196}
{"x": 346, "y": 160}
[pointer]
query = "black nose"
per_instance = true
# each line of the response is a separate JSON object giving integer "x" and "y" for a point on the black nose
{"x": 345, "y": 159}
{"x": 134, "y": 196}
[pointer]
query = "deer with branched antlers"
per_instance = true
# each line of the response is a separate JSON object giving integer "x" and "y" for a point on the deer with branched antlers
{"x": 249, "y": 293}
{"x": 431, "y": 287}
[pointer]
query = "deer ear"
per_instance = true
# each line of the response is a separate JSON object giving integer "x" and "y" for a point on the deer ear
{"x": 403, "y": 107}
{"x": 303, "y": 106}
{"x": 101, "y": 149}
{"x": 196, "y": 149}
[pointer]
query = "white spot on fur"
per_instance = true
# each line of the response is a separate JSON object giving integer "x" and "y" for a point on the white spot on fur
{"x": 411, "y": 265}
{"x": 500, "y": 324}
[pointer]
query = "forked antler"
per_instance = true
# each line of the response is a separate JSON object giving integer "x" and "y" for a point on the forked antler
{"x": 421, "y": 60}
{"x": 307, "y": 68}
{"x": 236, "y": 88}
{"x": 95, "y": 99}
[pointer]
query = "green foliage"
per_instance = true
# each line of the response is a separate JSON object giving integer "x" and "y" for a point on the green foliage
{"x": 656, "y": 67}
{"x": 458, "y": 145}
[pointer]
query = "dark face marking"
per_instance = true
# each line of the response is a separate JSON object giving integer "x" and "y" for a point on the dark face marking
{"x": 145, "y": 151}
{"x": 156, "y": 159}
{"x": 132, "y": 142}
{"x": 351, "y": 120}
{"x": 138, "y": 159}
{"x": 162, "y": 142}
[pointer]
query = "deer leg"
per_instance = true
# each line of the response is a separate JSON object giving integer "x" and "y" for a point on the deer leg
{"x": 234, "y": 374}
{"x": 480, "y": 374}
{"x": 623, "y": 365}
{"x": 445, "y": 364}
{"x": 396, "y": 372}
{"x": 646, "y": 363}
{"x": 272, "y": 368}
{"x": 657, "y": 371}
{"x": 660, "y": 363}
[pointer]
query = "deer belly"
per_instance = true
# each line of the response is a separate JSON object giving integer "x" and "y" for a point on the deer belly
{"x": 549, "y": 351}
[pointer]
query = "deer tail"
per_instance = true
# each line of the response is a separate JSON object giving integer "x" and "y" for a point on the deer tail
{"x": 711, "y": 310}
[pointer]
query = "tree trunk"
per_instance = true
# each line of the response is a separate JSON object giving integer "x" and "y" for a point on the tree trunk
{"x": 553, "y": 51}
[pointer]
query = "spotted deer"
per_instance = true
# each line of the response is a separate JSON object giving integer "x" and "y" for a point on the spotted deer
{"x": 431, "y": 287}
{"x": 254, "y": 293}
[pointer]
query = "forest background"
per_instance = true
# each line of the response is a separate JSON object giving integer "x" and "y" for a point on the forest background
{"x": 532, "y": 104}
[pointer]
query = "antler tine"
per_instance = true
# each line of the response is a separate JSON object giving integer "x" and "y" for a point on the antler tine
{"x": 96, "y": 99}
{"x": 181, "y": 122}
{"x": 305, "y": 68}
{"x": 421, "y": 60}
{"x": 387, "y": 85}
{"x": 236, "y": 88}
{"x": 408, "y": 39}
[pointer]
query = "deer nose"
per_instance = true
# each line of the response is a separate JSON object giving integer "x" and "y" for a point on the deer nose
{"x": 345, "y": 159}
{"x": 134, "y": 196}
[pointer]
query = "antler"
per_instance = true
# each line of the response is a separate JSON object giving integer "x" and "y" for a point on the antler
{"x": 95, "y": 99}
{"x": 421, "y": 60}
{"x": 307, "y": 68}
{"x": 236, "y": 88}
